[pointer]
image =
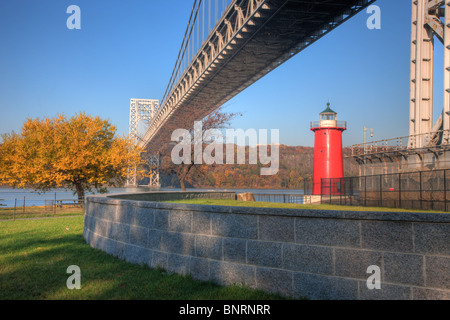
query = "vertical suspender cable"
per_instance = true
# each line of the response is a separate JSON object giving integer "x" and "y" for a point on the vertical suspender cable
{"x": 193, "y": 42}
{"x": 198, "y": 33}
{"x": 209, "y": 16}
{"x": 203, "y": 22}
{"x": 216, "y": 7}
{"x": 186, "y": 48}
{"x": 174, "y": 76}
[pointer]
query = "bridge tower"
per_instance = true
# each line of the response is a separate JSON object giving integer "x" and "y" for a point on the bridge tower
{"x": 427, "y": 147}
{"x": 328, "y": 156}
{"x": 143, "y": 110}
{"x": 429, "y": 21}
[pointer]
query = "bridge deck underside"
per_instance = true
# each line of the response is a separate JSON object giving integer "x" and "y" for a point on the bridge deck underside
{"x": 281, "y": 31}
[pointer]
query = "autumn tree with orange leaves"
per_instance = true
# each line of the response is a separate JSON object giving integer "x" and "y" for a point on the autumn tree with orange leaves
{"x": 81, "y": 154}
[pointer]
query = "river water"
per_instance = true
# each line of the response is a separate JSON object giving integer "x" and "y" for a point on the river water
{"x": 10, "y": 197}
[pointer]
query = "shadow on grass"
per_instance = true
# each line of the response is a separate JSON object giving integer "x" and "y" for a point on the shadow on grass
{"x": 34, "y": 263}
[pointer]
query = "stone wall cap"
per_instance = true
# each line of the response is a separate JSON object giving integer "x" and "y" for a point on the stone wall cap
{"x": 301, "y": 213}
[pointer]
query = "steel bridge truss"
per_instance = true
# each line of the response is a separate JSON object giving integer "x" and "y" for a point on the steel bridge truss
{"x": 141, "y": 110}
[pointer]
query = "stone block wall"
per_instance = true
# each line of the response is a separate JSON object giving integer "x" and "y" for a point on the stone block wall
{"x": 300, "y": 253}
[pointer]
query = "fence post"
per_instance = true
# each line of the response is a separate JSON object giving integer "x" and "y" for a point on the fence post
{"x": 445, "y": 190}
{"x": 420, "y": 186}
{"x": 400, "y": 190}
{"x": 381, "y": 190}
{"x": 365, "y": 191}
{"x": 23, "y": 210}
{"x": 329, "y": 189}
{"x": 321, "y": 190}
{"x": 15, "y": 205}
{"x": 352, "y": 191}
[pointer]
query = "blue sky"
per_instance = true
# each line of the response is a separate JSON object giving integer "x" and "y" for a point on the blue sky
{"x": 127, "y": 49}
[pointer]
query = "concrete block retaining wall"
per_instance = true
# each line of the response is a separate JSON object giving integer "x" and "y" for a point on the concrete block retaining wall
{"x": 301, "y": 253}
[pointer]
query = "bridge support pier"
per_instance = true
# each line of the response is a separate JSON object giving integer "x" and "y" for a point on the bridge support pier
{"x": 131, "y": 178}
{"x": 154, "y": 162}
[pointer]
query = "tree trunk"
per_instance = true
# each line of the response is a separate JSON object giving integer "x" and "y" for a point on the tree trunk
{"x": 80, "y": 193}
{"x": 183, "y": 175}
{"x": 183, "y": 187}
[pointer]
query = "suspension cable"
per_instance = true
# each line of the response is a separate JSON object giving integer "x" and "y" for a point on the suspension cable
{"x": 181, "y": 49}
{"x": 184, "y": 46}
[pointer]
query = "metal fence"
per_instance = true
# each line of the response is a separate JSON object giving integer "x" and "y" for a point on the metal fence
{"x": 308, "y": 186}
{"x": 23, "y": 207}
{"x": 400, "y": 143}
{"x": 285, "y": 197}
{"x": 342, "y": 191}
{"x": 424, "y": 190}
{"x": 279, "y": 198}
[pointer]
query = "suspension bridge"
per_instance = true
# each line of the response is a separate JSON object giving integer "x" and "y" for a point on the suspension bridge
{"x": 229, "y": 44}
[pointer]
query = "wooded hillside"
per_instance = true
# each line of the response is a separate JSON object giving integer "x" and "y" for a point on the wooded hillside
{"x": 296, "y": 164}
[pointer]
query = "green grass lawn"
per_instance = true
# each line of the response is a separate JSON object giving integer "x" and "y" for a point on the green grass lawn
{"x": 35, "y": 255}
{"x": 235, "y": 203}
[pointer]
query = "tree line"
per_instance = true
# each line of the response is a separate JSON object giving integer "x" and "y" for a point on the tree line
{"x": 295, "y": 169}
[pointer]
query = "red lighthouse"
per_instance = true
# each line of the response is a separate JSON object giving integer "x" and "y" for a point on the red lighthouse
{"x": 328, "y": 157}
